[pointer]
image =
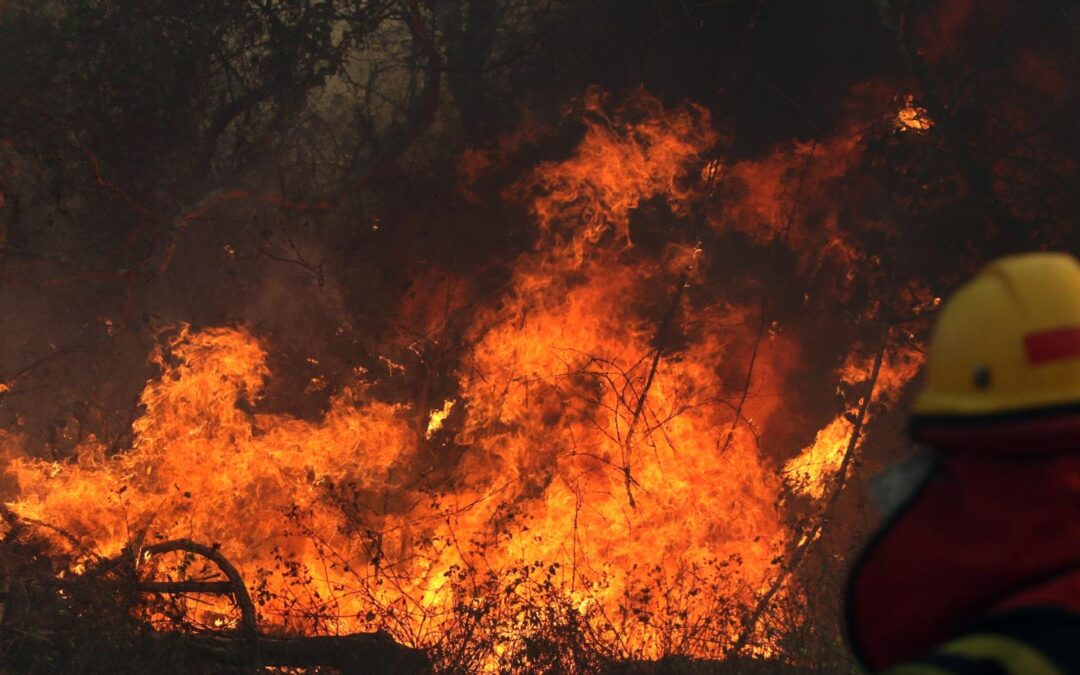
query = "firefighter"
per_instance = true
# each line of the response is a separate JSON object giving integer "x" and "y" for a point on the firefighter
{"x": 978, "y": 571}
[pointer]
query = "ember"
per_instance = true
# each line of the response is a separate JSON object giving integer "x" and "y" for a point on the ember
{"x": 912, "y": 117}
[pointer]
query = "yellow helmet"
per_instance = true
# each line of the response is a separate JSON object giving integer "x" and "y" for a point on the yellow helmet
{"x": 1007, "y": 344}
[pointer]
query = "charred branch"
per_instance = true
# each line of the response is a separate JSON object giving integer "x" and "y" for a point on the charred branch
{"x": 663, "y": 333}
{"x": 169, "y": 587}
{"x": 234, "y": 587}
{"x": 374, "y": 653}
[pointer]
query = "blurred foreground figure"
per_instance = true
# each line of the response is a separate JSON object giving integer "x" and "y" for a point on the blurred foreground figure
{"x": 978, "y": 569}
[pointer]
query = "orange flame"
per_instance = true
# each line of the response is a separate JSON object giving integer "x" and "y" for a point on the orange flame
{"x": 618, "y": 165}
{"x": 813, "y": 470}
{"x": 601, "y": 460}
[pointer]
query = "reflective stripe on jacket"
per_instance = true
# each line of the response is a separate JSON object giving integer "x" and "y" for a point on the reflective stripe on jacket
{"x": 1032, "y": 641}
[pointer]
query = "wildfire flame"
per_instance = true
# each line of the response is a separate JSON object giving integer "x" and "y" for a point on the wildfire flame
{"x": 810, "y": 472}
{"x": 601, "y": 461}
{"x": 435, "y": 422}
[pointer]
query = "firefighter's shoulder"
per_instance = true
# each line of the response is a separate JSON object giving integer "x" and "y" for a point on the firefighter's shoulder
{"x": 1029, "y": 641}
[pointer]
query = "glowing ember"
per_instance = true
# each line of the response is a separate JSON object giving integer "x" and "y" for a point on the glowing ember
{"x": 912, "y": 117}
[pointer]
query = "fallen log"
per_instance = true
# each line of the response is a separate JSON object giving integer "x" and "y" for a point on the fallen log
{"x": 354, "y": 654}
{"x": 247, "y": 647}
{"x": 49, "y": 634}
{"x": 176, "y": 587}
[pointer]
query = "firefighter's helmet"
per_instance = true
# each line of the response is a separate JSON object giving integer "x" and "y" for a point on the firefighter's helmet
{"x": 1007, "y": 344}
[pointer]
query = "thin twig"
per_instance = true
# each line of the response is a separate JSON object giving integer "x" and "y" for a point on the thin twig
{"x": 765, "y": 307}
{"x": 661, "y": 339}
{"x": 811, "y": 535}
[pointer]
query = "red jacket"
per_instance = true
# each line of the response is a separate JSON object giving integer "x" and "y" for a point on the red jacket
{"x": 989, "y": 534}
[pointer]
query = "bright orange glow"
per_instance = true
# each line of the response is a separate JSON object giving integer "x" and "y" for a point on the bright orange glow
{"x": 912, "y": 117}
{"x": 618, "y": 165}
{"x": 814, "y": 469}
{"x": 599, "y": 460}
{"x": 435, "y": 421}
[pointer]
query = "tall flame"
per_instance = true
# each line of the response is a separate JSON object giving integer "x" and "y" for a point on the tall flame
{"x": 604, "y": 463}
{"x": 819, "y": 463}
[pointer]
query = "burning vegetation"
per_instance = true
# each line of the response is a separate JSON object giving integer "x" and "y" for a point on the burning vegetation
{"x": 435, "y": 381}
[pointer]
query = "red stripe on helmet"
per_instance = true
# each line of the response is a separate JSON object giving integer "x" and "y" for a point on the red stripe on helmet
{"x": 1052, "y": 345}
